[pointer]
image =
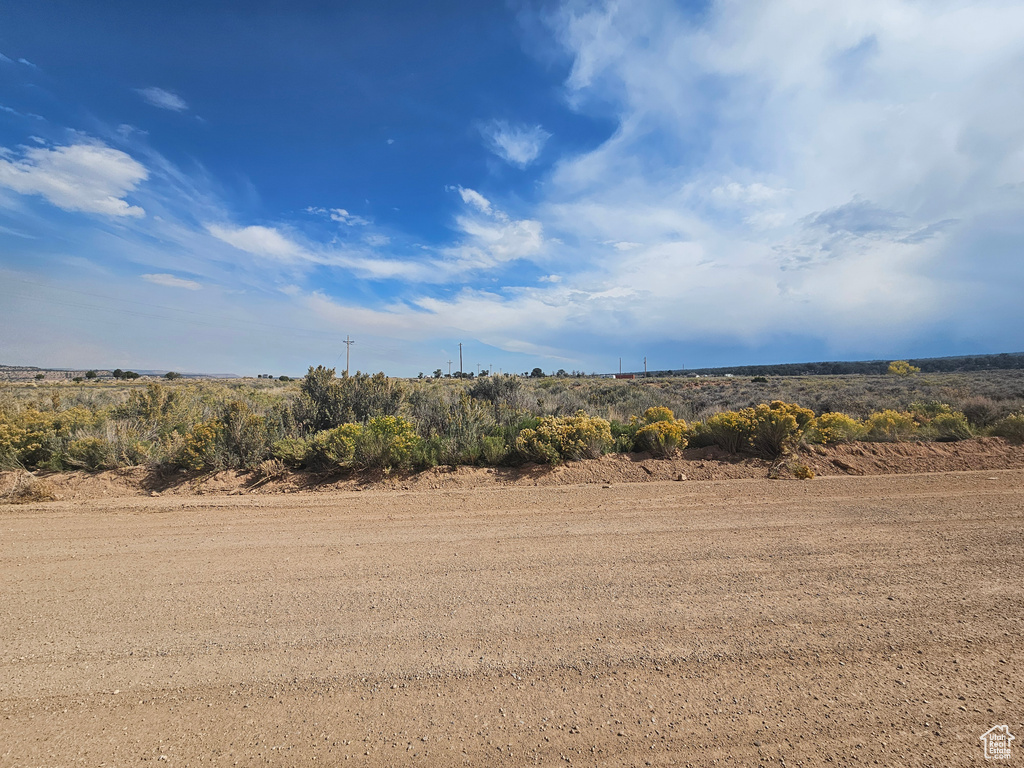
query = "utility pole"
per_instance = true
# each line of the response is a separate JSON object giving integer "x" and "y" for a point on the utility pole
{"x": 460, "y": 359}
{"x": 348, "y": 348}
{"x": 645, "y": 366}
{"x": 449, "y": 369}
{"x": 620, "y": 365}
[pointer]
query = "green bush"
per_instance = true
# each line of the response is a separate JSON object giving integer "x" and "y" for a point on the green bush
{"x": 386, "y": 442}
{"x": 89, "y": 453}
{"x": 950, "y": 427}
{"x": 1011, "y": 427}
{"x": 326, "y": 402}
{"x": 494, "y": 449}
{"x": 294, "y": 452}
{"x": 623, "y": 436}
{"x": 335, "y": 447}
{"x": 453, "y": 422}
{"x": 247, "y": 443}
{"x": 568, "y": 438}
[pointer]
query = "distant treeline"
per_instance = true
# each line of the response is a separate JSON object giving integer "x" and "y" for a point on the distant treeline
{"x": 1003, "y": 361}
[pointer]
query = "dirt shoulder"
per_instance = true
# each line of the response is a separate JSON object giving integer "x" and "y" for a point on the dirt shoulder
{"x": 847, "y": 620}
{"x": 692, "y": 464}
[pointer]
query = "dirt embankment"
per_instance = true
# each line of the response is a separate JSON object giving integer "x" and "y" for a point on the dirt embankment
{"x": 692, "y": 464}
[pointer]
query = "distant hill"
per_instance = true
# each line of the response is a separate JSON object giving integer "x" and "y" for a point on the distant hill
{"x": 1002, "y": 361}
{"x": 30, "y": 372}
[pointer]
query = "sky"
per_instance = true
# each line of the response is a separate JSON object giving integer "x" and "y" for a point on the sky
{"x": 239, "y": 188}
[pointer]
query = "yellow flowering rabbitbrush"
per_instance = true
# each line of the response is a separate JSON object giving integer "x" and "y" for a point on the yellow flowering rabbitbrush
{"x": 565, "y": 438}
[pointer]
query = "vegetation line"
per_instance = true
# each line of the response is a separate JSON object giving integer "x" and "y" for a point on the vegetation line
{"x": 371, "y": 421}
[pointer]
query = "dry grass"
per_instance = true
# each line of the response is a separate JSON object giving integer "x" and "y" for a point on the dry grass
{"x": 29, "y": 489}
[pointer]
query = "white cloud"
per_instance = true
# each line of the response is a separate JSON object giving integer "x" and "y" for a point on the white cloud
{"x": 267, "y": 242}
{"x": 475, "y": 199}
{"x": 771, "y": 158}
{"x": 517, "y": 145}
{"x": 5, "y": 60}
{"x": 170, "y": 281}
{"x": 490, "y": 237}
{"x": 27, "y": 63}
{"x": 162, "y": 99}
{"x": 339, "y": 215}
{"x": 92, "y": 178}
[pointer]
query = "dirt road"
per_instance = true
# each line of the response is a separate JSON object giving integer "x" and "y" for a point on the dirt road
{"x": 844, "y": 621}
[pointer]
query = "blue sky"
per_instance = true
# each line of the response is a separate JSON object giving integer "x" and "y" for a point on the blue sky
{"x": 199, "y": 188}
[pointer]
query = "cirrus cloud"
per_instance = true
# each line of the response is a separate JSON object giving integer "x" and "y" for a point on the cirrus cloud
{"x": 170, "y": 281}
{"x": 518, "y": 145}
{"x": 162, "y": 99}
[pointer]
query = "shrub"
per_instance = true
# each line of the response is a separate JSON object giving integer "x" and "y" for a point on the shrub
{"x": 453, "y": 422}
{"x": 506, "y": 395}
{"x": 801, "y": 471}
{"x": 902, "y": 368}
{"x": 729, "y": 430}
{"x": 245, "y": 436}
{"x": 89, "y": 453}
{"x": 335, "y": 447}
{"x": 386, "y": 442}
{"x": 950, "y": 427}
{"x": 558, "y": 438}
{"x": 660, "y": 434}
{"x": 775, "y": 428}
{"x": 326, "y": 401}
{"x": 293, "y": 451}
{"x": 890, "y": 426}
{"x": 271, "y": 468}
{"x": 203, "y": 447}
{"x": 662, "y": 438}
{"x": 624, "y": 436}
{"x": 925, "y": 411}
{"x": 494, "y": 449}
{"x": 980, "y": 411}
{"x": 658, "y": 413}
{"x": 40, "y": 438}
{"x": 830, "y": 428}
{"x": 1011, "y": 427}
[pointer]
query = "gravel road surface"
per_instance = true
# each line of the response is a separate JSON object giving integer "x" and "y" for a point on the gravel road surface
{"x": 838, "y": 621}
